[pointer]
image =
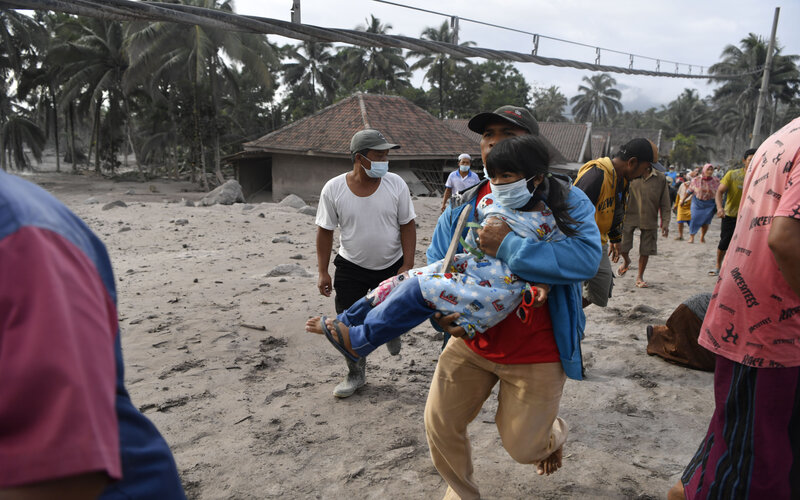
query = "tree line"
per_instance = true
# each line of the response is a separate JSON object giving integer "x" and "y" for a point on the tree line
{"x": 178, "y": 98}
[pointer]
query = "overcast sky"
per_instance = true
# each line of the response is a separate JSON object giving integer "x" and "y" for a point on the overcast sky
{"x": 686, "y": 31}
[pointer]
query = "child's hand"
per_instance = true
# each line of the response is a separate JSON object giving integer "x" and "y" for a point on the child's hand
{"x": 541, "y": 294}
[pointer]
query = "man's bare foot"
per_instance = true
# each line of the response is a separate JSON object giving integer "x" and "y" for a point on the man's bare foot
{"x": 551, "y": 463}
{"x": 691, "y": 239}
{"x": 702, "y": 239}
{"x": 676, "y": 492}
{"x": 314, "y": 325}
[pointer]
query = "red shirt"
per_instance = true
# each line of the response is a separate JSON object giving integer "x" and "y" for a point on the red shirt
{"x": 512, "y": 342}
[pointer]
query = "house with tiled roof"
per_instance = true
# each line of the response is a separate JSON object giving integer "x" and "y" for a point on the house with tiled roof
{"x": 300, "y": 157}
{"x": 619, "y": 136}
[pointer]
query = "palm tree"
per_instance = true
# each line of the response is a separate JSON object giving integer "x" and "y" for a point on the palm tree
{"x": 688, "y": 115}
{"x": 18, "y": 132}
{"x": 94, "y": 60}
{"x": 549, "y": 104}
{"x": 439, "y": 67}
{"x": 17, "y": 32}
{"x": 742, "y": 92}
{"x": 383, "y": 65}
{"x": 311, "y": 72}
{"x": 188, "y": 65}
{"x": 599, "y": 99}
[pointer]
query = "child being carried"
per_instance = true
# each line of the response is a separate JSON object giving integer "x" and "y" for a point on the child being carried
{"x": 481, "y": 288}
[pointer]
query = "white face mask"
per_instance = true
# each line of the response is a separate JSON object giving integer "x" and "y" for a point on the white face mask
{"x": 512, "y": 195}
{"x": 377, "y": 169}
{"x": 464, "y": 168}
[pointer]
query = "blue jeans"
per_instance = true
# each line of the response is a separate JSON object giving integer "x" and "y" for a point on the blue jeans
{"x": 370, "y": 327}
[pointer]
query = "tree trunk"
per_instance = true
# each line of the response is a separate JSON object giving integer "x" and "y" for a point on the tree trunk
{"x": 441, "y": 97}
{"x": 71, "y": 111}
{"x": 214, "y": 124}
{"x": 55, "y": 126}
{"x": 199, "y": 143}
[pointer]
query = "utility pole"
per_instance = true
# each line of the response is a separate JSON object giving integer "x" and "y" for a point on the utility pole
{"x": 296, "y": 11}
{"x": 454, "y": 27}
{"x": 755, "y": 137}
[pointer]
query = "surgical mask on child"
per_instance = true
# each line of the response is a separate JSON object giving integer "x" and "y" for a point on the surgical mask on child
{"x": 512, "y": 195}
{"x": 464, "y": 168}
{"x": 377, "y": 169}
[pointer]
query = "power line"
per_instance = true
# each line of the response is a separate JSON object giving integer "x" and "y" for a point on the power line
{"x": 128, "y": 10}
{"x": 537, "y": 36}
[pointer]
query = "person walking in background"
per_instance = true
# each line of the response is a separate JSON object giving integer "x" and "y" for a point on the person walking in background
{"x": 703, "y": 188}
{"x": 752, "y": 447}
{"x": 731, "y": 188}
{"x": 683, "y": 205}
{"x": 372, "y": 207}
{"x": 647, "y": 197}
{"x": 68, "y": 428}
{"x": 459, "y": 180}
{"x": 605, "y": 182}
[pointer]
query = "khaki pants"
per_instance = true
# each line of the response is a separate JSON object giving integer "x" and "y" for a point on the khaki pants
{"x": 526, "y": 414}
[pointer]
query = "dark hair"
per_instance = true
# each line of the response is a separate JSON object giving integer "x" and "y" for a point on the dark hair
{"x": 749, "y": 152}
{"x": 528, "y": 155}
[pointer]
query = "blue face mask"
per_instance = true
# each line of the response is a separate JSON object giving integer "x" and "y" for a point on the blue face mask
{"x": 512, "y": 195}
{"x": 377, "y": 169}
{"x": 464, "y": 168}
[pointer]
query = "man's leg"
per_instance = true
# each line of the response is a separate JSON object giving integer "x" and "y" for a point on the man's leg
{"x": 648, "y": 245}
{"x": 598, "y": 289}
{"x": 460, "y": 385}
{"x": 625, "y": 249}
{"x": 349, "y": 288}
{"x": 752, "y": 447}
{"x": 527, "y": 412}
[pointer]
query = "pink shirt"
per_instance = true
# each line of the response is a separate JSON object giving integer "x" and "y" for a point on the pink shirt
{"x": 754, "y": 316}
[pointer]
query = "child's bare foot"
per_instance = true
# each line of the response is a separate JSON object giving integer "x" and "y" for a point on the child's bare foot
{"x": 551, "y": 463}
{"x": 314, "y": 325}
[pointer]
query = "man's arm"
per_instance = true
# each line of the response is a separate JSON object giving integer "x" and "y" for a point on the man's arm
{"x": 408, "y": 240}
{"x": 721, "y": 190}
{"x": 784, "y": 240}
{"x": 572, "y": 259}
{"x": 324, "y": 249}
{"x": 447, "y": 193}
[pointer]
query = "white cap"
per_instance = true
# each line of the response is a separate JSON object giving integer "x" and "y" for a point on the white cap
{"x": 464, "y": 155}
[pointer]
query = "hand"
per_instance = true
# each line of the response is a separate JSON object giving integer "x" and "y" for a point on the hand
{"x": 720, "y": 213}
{"x": 491, "y": 235}
{"x": 446, "y": 324}
{"x": 613, "y": 251}
{"x": 665, "y": 232}
{"x": 541, "y": 295}
{"x": 443, "y": 207}
{"x": 403, "y": 270}
{"x": 324, "y": 284}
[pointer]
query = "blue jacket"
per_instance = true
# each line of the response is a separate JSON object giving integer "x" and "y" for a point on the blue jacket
{"x": 562, "y": 264}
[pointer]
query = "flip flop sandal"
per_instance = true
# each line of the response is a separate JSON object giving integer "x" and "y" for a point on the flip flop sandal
{"x": 340, "y": 344}
{"x": 622, "y": 270}
{"x": 713, "y": 272}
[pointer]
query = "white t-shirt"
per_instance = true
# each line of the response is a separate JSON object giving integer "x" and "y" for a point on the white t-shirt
{"x": 370, "y": 225}
{"x": 456, "y": 183}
